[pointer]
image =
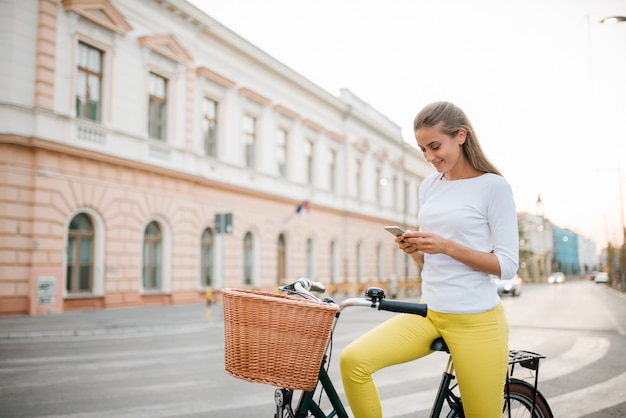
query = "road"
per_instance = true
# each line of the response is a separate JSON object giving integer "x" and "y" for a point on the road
{"x": 579, "y": 326}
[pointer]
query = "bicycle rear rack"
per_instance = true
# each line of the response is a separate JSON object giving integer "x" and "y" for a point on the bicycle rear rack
{"x": 528, "y": 360}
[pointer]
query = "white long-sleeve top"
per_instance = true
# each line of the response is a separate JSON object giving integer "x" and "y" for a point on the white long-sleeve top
{"x": 478, "y": 213}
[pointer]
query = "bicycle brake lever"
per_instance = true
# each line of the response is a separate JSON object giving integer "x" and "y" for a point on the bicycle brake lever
{"x": 287, "y": 288}
{"x": 317, "y": 287}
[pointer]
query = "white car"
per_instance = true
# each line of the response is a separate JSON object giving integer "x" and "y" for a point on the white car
{"x": 511, "y": 286}
{"x": 556, "y": 277}
{"x": 601, "y": 277}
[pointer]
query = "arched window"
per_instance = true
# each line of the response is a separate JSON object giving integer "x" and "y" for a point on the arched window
{"x": 281, "y": 261}
{"x": 206, "y": 258}
{"x": 248, "y": 259}
{"x": 333, "y": 262}
{"x": 379, "y": 261}
{"x": 359, "y": 262}
{"x": 310, "y": 259}
{"x": 152, "y": 249}
{"x": 80, "y": 243}
{"x": 396, "y": 254}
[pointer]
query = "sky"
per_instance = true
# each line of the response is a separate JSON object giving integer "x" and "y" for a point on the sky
{"x": 542, "y": 82}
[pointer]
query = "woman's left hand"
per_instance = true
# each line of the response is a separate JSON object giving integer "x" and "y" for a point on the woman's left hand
{"x": 425, "y": 242}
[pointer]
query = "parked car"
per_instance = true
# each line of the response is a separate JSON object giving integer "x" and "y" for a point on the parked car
{"x": 510, "y": 286}
{"x": 601, "y": 277}
{"x": 556, "y": 277}
{"x": 592, "y": 275}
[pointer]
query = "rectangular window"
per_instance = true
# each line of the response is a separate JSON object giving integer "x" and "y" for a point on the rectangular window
{"x": 308, "y": 161}
{"x": 88, "y": 82}
{"x": 249, "y": 140}
{"x": 396, "y": 191}
{"x": 357, "y": 177}
{"x": 379, "y": 184}
{"x": 209, "y": 126}
{"x": 157, "y": 105}
{"x": 332, "y": 170}
{"x": 281, "y": 152}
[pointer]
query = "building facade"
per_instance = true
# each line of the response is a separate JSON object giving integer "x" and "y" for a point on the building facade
{"x": 546, "y": 248}
{"x": 566, "y": 258}
{"x": 149, "y": 154}
{"x": 588, "y": 258}
{"x": 536, "y": 246}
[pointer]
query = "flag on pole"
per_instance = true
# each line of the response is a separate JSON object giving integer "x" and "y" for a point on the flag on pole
{"x": 303, "y": 207}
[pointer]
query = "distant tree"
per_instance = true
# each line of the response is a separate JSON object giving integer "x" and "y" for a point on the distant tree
{"x": 610, "y": 264}
{"x": 622, "y": 268}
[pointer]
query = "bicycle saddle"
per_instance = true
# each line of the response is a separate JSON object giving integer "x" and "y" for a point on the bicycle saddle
{"x": 439, "y": 345}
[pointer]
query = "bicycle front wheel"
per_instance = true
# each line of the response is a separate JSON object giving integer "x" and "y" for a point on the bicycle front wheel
{"x": 519, "y": 402}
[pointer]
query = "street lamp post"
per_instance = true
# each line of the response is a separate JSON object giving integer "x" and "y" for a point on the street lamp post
{"x": 612, "y": 20}
{"x": 622, "y": 253}
{"x": 621, "y": 202}
{"x": 621, "y": 278}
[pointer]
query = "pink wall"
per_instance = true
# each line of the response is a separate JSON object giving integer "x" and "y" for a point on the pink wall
{"x": 43, "y": 189}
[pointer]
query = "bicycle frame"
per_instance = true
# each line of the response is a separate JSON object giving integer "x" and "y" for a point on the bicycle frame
{"x": 306, "y": 403}
{"x": 444, "y": 393}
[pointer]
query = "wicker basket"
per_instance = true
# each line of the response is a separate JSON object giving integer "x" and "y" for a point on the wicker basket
{"x": 275, "y": 339}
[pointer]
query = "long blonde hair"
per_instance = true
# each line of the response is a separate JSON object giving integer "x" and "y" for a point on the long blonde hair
{"x": 449, "y": 119}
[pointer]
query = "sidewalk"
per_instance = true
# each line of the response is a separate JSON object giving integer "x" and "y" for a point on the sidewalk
{"x": 112, "y": 321}
{"x": 116, "y": 321}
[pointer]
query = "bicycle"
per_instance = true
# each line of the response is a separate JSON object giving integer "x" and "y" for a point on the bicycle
{"x": 521, "y": 399}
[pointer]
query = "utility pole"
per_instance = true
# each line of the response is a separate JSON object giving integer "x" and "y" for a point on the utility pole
{"x": 622, "y": 250}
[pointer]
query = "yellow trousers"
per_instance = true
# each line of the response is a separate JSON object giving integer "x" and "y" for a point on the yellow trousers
{"x": 478, "y": 344}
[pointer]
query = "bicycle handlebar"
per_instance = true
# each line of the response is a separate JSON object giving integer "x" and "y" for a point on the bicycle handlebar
{"x": 403, "y": 307}
{"x": 304, "y": 286}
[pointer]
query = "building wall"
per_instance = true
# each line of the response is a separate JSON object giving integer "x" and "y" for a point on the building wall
{"x": 55, "y": 165}
{"x": 536, "y": 246}
{"x": 566, "y": 252}
{"x": 588, "y": 256}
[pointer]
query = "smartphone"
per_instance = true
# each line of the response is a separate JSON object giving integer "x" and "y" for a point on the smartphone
{"x": 395, "y": 230}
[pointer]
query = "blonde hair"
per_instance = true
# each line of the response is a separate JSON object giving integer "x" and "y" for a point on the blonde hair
{"x": 449, "y": 119}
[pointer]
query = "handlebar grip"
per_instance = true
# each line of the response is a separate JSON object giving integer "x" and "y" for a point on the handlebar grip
{"x": 403, "y": 307}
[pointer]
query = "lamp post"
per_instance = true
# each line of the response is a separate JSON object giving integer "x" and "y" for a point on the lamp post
{"x": 621, "y": 202}
{"x": 620, "y": 266}
{"x": 611, "y": 20}
{"x": 622, "y": 251}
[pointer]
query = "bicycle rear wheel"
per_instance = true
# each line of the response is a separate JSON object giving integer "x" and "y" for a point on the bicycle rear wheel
{"x": 520, "y": 402}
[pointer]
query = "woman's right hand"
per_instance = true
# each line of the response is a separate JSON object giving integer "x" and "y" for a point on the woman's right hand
{"x": 410, "y": 248}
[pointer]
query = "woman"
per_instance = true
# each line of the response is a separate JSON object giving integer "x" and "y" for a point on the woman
{"x": 468, "y": 230}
